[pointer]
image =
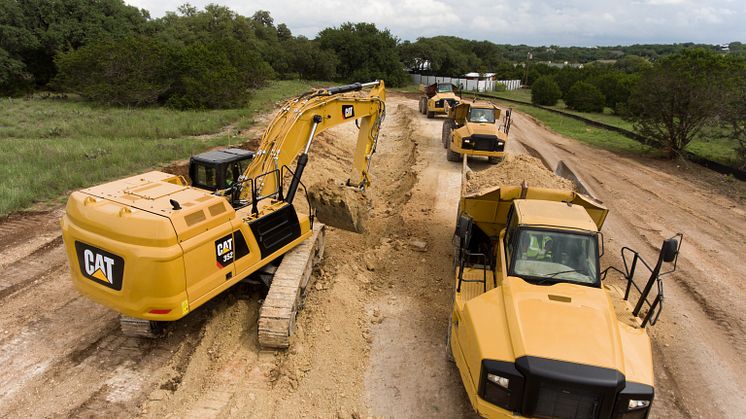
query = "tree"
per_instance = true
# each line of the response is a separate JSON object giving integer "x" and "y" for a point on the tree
{"x": 365, "y": 53}
{"x": 678, "y": 96}
{"x": 127, "y": 71}
{"x": 585, "y": 97}
{"x": 615, "y": 86}
{"x": 545, "y": 91}
{"x": 734, "y": 114}
{"x": 53, "y": 27}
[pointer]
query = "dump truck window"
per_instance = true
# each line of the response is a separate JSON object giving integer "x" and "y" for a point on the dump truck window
{"x": 444, "y": 88}
{"x": 555, "y": 256}
{"x": 482, "y": 115}
{"x": 512, "y": 224}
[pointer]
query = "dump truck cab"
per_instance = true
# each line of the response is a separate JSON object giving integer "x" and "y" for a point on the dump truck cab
{"x": 476, "y": 129}
{"x": 436, "y": 97}
{"x": 533, "y": 331}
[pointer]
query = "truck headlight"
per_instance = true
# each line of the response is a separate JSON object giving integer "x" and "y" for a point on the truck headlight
{"x": 501, "y": 381}
{"x": 634, "y": 401}
{"x": 500, "y": 143}
{"x": 638, "y": 404}
{"x": 501, "y": 384}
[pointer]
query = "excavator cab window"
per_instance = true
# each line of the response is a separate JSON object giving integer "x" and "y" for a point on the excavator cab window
{"x": 218, "y": 170}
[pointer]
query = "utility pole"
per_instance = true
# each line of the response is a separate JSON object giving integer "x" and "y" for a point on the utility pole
{"x": 529, "y": 56}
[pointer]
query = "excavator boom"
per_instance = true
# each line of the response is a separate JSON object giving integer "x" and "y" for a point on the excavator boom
{"x": 291, "y": 132}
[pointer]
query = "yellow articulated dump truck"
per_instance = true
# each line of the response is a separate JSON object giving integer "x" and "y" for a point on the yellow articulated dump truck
{"x": 435, "y": 98}
{"x": 534, "y": 332}
{"x": 154, "y": 247}
{"x": 476, "y": 129}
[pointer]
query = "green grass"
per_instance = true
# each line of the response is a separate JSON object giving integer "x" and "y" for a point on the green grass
{"x": 711, "y": 144}
{"x": 51, "y": 146}
{"x": 584, "y": 133}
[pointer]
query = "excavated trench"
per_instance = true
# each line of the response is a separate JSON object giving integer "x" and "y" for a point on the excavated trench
{"x": 370, "y": 337}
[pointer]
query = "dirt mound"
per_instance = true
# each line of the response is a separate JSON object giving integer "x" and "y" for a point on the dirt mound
{"x": 339, "y": 206}
{"x": 513, "y": 171}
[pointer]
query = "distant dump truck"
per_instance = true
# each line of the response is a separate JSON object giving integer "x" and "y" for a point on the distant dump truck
{"x": 435, "y": 97}
{"x": 476, "y": 129}
{"x": 533, "y": 331}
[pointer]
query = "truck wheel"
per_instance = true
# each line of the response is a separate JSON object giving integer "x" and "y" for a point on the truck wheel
{"x": 430, "y": 114}
{"x": 452, "y": 156}
{"x": 446, "y": 134}
{"x": 494, "y": 160}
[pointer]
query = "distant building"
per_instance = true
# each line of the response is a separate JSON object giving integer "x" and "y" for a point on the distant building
{"x": 479, "y": 76}
{"x": 561, "y": 64}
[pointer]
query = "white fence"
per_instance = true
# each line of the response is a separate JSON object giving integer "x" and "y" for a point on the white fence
{"x": 467, "y": 85}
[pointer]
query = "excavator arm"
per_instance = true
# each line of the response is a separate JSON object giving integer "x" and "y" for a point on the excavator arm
{"x": 291, "y": 133}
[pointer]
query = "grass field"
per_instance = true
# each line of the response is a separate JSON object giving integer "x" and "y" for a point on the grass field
{"x": 711, "y": 144}
{"x": 51, "y": 146}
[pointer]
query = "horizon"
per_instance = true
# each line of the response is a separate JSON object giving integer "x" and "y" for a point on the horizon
{"x": 533, "y": 23}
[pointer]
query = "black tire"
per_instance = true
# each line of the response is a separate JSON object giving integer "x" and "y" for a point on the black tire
{"x": 452, "y": 155}
{"x": 430, "y": 115}
{"x": 446, "y": 133}
{"x": 494, "y": 160}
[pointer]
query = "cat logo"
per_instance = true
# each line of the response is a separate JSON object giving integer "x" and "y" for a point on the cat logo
{"x": 100, "y": 266}
{"x": 224, "y": 251}
{"x": 348, "y": 111}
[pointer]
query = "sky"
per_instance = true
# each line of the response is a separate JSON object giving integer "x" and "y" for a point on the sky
{"x": 531, "y": 22}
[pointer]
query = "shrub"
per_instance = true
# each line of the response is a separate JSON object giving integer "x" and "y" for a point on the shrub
{"x": 585, "y": 97}
{"x": 545, "y": 91}
{"x": 216, "y": 75}
{"x": 124, "y": 71}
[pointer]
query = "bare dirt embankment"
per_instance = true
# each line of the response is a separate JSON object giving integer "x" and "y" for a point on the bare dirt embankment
{"x": 370, "y": 339}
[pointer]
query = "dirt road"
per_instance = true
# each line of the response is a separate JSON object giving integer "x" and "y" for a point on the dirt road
{"x": 370, "y": 339}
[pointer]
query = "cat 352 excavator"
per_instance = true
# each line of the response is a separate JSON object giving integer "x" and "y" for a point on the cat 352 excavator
{"x": 153, "y": 248}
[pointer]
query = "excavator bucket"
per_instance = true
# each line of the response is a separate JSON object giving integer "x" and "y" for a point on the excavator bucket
{"x": 339, "y": 206}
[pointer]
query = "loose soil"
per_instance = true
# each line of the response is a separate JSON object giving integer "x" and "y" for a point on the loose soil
{"x": 370, "y": 338}
{"x": 514, "y": 170}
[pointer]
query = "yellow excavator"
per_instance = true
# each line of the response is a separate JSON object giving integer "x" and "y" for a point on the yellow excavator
{"x": 154, "y": 248}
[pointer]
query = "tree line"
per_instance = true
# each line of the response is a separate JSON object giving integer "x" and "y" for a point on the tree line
{"x": 115, "y": 54}
{"x": 670, "y": 100}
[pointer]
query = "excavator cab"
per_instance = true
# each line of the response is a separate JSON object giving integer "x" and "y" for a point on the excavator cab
{"x": 218, "y": 169}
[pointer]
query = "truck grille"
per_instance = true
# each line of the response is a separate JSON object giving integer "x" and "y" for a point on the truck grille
{"x": 566, "y": 403}
{"x": 482, "y": 143}
{"x": 440, "y": 103}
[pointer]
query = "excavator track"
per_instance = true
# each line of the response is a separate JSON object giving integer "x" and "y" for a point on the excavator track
{"x": 140, "y": 328}
{"x": 285, "y": 296}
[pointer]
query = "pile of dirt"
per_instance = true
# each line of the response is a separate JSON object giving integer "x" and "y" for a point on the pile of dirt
{"x": 339, "y": 206}
{"x": 515, "y": 169}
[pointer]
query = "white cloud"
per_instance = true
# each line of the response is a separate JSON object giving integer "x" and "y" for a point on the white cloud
{"x": 533, "y": 22}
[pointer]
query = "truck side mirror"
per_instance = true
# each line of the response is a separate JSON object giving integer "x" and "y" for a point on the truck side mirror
{"x": 601, "y": 246}
{"x": 669, "y": 250}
